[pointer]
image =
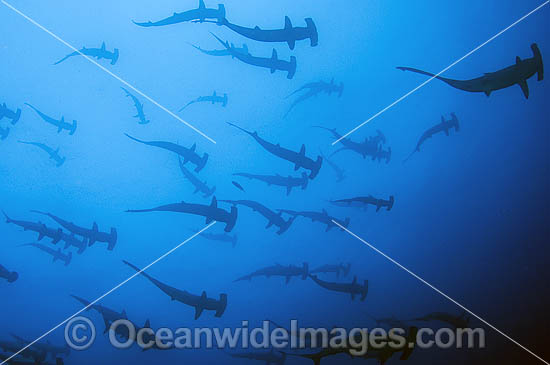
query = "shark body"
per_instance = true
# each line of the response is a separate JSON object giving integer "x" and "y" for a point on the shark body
{"x": 352, "y": 288}
{"x": 299, "y": 159}
{"x": 272, "y": 217}
{"x": 99, "y": 53}
{"x": 210, "y": 212}
{"x": 288, "y": 182}
{"x": 139, "y": 108}
{"x": 188, "y": 154}
{"x": 60, "y": 124}
{"x": 287, "y": 272}
{"x": 54, "y": 154}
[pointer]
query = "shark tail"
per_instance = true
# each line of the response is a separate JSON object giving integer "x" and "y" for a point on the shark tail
{"x": 538, "y": 60}
{"x": 64, "y": 59}
{"x": 8, "y": 219}
{"x": 83, "y": 301}
{"x": 451, "y": 82}
{"x": 16, "y": 117}
{"x": 135, "y": 139}
{"x": 139, "y": 271}
{"x": 186, "y": 105}
{"x": 409, "y": 156}
{"x": 242, "y": 129}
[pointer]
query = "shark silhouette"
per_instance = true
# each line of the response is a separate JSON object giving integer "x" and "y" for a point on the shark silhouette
{"x": 188, "y": 154}
{"x": 92, "y": 235}
{"x": 287, "y": 35}
{"x": 322, "y": 217}
{"x": 517, "y": 74}
{"x": 210, "y": 212}
{"x": 353, "y": 288}
{"x": 337, "y": 269}
{"x": 54, "y": 154}
{"x": 279, "y": 270}
{"x": 201, "y": 14}
{"x": 214, "y": 98}
{"x": 56, "y": 254}
{"x": 287, "y": 182}
{"x": 223, "y": 52}
{"x": 98, "y": 53}
{"x": 200, "y": 303}
{"x": 46, "y": 347}
{"x": 272, "y": 217}
{"x": 60, "y": 124}
{"x": 442, "y": 127}
{"x": 272, "y": 63}
{"x": 139, "y": 108}
{"x": 199, "y": 185}
{"x": 299, "y": 159}
{"x": 378, "y": 203}
{"x": 314, "y": 89}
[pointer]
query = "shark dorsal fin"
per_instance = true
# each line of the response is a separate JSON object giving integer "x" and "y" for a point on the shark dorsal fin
{"x": 257, "y": 28}
{"x": 193, "y": 147}
{"x": 201, "y": 4}
{"x": 214, "y": 203}
{"x": 147, "y": 324}
{"x": 288, "y": 23}
{"x": 303, "y": 150}
{"x": 274, "y": 55}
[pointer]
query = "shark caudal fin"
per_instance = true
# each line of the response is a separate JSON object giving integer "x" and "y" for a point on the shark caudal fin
{"x": 538, "y": 61}
{"x": 115, "y": 56}
{"x": 73, "y": 128}
{"x": 291, "y": 68}
{"x": 313, "y": 34}
{"x": 202, "y": 163}
{"x": 305, "y": 272}
{"x": 16, "y": 117}
{"x": 8, "y": 219}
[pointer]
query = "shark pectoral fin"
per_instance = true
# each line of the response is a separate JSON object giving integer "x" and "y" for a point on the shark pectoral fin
{"x": 524, "y": 88}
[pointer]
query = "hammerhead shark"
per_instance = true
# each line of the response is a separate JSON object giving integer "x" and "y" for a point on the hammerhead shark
{"x": 369, "y": 147}
{"x": 272, "y": 217}
{"x": 37, "y": 357}
{"x": 10, "y": 114}
{"x": 287, "y": 182}
{"x": 272, "y": 63}
{"x": 93, "y": 235}
{"x": 54, "y": 154}
{"x": 109, "y": 315}
{"x": 378, "y": 203}
{"x": 4, "y": 132}
{"x": 340, "y": 173}
{"x": 10, "y": 276}
{"x": 279, "y": 270}
{"x": 287, "y": 35}
{"x": 337, "y": 269}
{"x": 98, "y": 53}
{"x": 188, "y": 154}
{"x": 444, "y": 127}
{"x": 222, "y": 237}
{"x": 60, "y": 124}
{"x": 299, "y": 159}
{"x": 214, "y": 98}
{"x": 139, "y": 108}
{"x": 314, "y": 89}
{"x": 517, "y": 74}
{"x": 210, "y": 212}
{"x": 46, "y": 347}
{"x": 353, "y": 288}
{"x": 459, "y": 322}
{"x": 40, "y": 228}
{"x": 56, "y": 254}
{"x": 199, "y": 185}
{"x": 269, "y": 357}
{"x": 223, "y": 52}
{"x": 199, "y": 302}
{"x": 200, "y": 14}
{"x": 321, "y": 217}
{"x": 4, "y": 357}
{"x": 71, "y": 240}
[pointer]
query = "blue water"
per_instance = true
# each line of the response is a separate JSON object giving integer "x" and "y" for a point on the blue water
{"x": 471, "y": 210}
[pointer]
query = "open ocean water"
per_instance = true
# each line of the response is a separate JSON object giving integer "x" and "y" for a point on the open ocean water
{"x": 468, "y": 213}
